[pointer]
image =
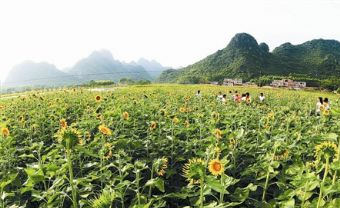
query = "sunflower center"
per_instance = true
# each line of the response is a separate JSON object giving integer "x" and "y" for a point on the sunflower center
{"x": 217, "y": 166}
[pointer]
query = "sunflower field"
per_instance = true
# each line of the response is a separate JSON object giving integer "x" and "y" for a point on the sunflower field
{"x": 162, "y": 146}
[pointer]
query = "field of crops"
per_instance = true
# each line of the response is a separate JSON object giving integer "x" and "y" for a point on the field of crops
{"x": 162, "y": 146}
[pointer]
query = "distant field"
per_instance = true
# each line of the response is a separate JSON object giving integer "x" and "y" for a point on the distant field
{"x": 162, "y": 146}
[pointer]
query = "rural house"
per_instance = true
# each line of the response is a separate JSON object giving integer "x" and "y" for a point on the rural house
{"x": 232, "y": 82}
{"x": 288, "y": 83}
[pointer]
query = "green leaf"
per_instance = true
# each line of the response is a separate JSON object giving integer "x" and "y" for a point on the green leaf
{"x": 288, "y": 204}
{"x": 7, "y": 180}
{"x": 335, "y": 165}
{"x": 156, "y": 182}
{"x": 86, "y": 151}
{"x": 311, "y": 185}
{"x": 241, "y": 194}
{"x": 214, "y": 184}
{"x": 331, "y": 136}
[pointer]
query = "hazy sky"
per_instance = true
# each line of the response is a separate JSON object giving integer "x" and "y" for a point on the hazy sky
{"x": 173, "y": 32}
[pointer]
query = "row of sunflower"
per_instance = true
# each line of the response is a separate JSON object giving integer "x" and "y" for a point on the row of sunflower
{"x": 161, "y": 146}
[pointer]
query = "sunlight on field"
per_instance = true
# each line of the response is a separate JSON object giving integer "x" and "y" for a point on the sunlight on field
{"x": 163, "y": 146}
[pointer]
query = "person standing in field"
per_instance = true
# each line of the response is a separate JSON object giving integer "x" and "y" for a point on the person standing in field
{"x": 326, "y": 104}
{"x": 319, "y": 106}
{"x": 261, "y": 97}
{"x": 235, "y": 95}
{"x": 231, "y": 95}
{"x": 198, "y": 94}
{"x": 248, "y": 98}
{"x": 220, "y": 96}
{"x": 224, "y": 99}
{"x": 243, "y": 98}
{"x": 238, "y": 98}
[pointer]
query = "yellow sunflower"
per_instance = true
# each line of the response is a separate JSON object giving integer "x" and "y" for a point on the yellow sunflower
{"x": 5, "y": 132}
{"x": 153, "y": 125}
{"x": 161, "y": 166}
{"x": 282, "y": 156}
{"x": 175, "y": 120}
{"x": 163, "y": 112}
{"x": 105, "y": 130}
{"x": 69, "y": 137}
{"x": 218, "y": 133}
{"x": 98, "y": 98}
{"x": 216, "y": 167}
{"x": 186, "y": 124}
{"x": 107, "y": 151}
{"x": 63, "y": 123}
{"x": 22, "y": 119}
{"x": 182, "y": 110}
{"x": 194, "y": 170}
{"x": 327, "y": 150}
{"x": 266, "y": 126}
{"x": 232, "y": 142}
{"x": 322, "y": 107}
{"x": 88, "y": 136}
{"x": 270, "y": 116}
{"x": 325, "y": 112}
{"x": 80, "y": 141}
{"x": 215, "y": 115}
{"x": 126, "y": 116}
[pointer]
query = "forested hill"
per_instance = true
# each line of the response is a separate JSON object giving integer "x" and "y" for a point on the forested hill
{"x": 245, "y": 58}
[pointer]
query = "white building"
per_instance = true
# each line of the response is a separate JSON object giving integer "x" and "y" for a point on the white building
{"x": 288, "y": 83}
{"x": 232, "y": 82}
{"x": 214, "y": 83}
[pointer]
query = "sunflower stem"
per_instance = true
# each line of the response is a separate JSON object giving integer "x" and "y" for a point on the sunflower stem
{"x": 137, "y": 180}
{"x": 101, "y": 177}
{"x": 265, "y": 186}
{"x": 267, "y": 177}
{"x": 2, "y": 200}
{"x": 121, "y": 181}
{"x": 172, "y": 144}
{"x": 304, "y": 194}
{"x": 201, "y": 193}
{"x": 222, "y": 193}
{"x": 323, "y": 182}
{"x": 70, "y": 170}
{"x": 150, "y": 188}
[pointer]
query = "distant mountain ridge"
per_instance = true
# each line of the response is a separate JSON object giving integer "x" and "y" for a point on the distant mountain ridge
{"x": 99, "y": 65}
{"x": 245, "y": 58}
{"x": 30, "y": 73}
{"x": 152, "y": 67}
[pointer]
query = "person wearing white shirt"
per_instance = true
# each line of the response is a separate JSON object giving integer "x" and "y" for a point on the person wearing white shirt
{"x": 244, "y": 98}
{"x": 262, "y": 97}
{"x": 224, "y": 99}
{"x": 198, "y": 94}
{"x": 219, "y": 96}
{"x": 248, "y": 98}
{"x": 326, "y": 104}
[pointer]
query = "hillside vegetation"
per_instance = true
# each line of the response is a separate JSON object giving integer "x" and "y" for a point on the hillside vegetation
{"x": 245, "y": 58}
